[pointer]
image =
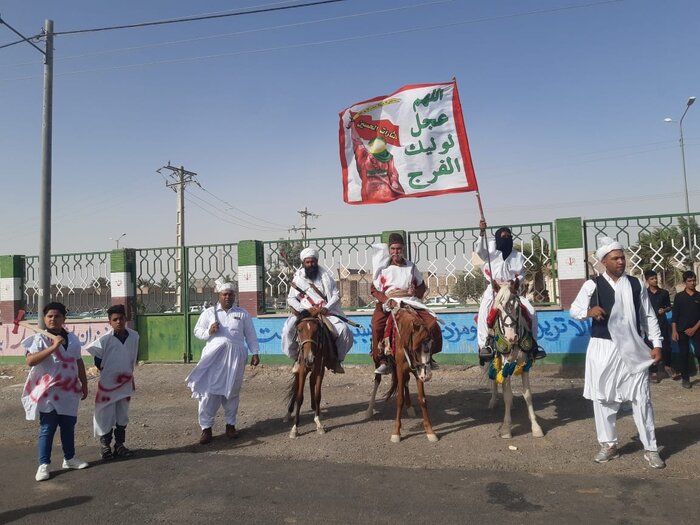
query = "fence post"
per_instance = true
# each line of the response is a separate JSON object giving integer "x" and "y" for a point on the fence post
{"x": 123, "y": 279}
{"x": 11, "y": 286}
{"x": 250, "y": 277}
{"x": 571, "y": 258}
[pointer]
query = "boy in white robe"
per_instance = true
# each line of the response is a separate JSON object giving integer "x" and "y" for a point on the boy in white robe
{"x": 617, "y": 359}
{"x": 55, "y": 386}
{"x": 217, "y": 378}
{"x": 115, "y": 355}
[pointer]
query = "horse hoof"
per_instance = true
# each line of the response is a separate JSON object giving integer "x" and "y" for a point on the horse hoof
{"x": 369, "y": 414}
{"x": 507, "y": 436}
{"x": 395, "y": 438}
{"x": 537, "y": 432}
{"x": 411, "y": 412}
{"x": 433, "y": 438}
{"x": 293, "y": 433}
{"x": 321, "y": 431}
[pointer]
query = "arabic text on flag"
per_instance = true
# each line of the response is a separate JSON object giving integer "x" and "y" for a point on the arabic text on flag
{"x": 411, "y": 143}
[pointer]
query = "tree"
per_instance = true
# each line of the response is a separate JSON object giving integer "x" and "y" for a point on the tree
{"x": 665, "y": 249}
{"x": 469, "y": 288}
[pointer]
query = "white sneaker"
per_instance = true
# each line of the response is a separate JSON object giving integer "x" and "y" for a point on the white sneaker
{"x": 42, "y": 473}
{"x": 74, "y": 463}
{"x": 383, "y": 369}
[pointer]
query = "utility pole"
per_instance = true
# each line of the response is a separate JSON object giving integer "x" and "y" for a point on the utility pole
{"x": 305, "y": 229}
{"x": 180, "y": 178}
{"x": 44, "y": 291}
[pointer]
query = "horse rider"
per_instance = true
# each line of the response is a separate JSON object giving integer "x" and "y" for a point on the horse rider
{"x": 397, "y": 280}
{"x": 313, "y": 292}
{"x": 506, "y": 268}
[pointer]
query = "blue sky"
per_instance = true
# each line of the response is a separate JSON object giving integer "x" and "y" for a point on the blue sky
{"x": 564, "y": 109}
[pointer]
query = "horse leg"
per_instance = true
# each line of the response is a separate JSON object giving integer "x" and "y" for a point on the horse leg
{"x": 318, "y": 383}
{"x": 494, "y": 394}
{"x": 401, "y": 382}
{"x": 508, "y": 400}
{"x": 370, "y": 409}
{"x": 301, "y": 379}
{"x": 432, "y": 437}
{"x": 288, "y": 416}
{"x": 527, "y": 394}
{"x": 407, "y": 402}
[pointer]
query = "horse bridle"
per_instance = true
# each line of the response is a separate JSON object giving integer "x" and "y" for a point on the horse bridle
{"x": 314, "y": 341}
{"x": 412, "y": 368}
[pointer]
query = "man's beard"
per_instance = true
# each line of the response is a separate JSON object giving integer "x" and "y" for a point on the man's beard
{"x": 311, "y": 273}
{"x": 397, "y": 259}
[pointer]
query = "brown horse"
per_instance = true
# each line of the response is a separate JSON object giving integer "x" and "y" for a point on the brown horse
{"x": 412, "y": 343}
{"x": 316, "y": 353}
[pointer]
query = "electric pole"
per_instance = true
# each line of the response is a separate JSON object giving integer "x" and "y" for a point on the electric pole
{"x": 179, "y": 179}
{"x": 305, "y": 229}
{"x": 44, "y": 291}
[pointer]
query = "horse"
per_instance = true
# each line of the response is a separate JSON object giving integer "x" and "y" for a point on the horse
{"x": 512, "y": 342}
{"x": 412, "y": 343}
{"x": 316, "y": 353}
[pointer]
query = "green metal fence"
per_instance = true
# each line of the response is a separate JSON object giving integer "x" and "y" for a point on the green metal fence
{"x": 81, "y": 281}
{"x": 205, "y": 264}
{"x": 665, "y": 243}
{"x": 452, "y": 269}
{"x": 347, "y": 258}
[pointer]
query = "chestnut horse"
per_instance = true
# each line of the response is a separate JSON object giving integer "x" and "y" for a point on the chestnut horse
{"x": 316, "y": 353}
{"x": 512, "y": 344}
{"x": 412, "y": 344}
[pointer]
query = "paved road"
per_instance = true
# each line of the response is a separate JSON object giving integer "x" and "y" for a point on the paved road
{"x": 220, "y": 485}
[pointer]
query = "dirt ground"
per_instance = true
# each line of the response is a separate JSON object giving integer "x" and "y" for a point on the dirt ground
{"x": 164, "y": 417}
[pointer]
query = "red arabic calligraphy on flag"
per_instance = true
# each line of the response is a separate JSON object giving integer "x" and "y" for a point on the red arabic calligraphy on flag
{"x": 411, "y": 143}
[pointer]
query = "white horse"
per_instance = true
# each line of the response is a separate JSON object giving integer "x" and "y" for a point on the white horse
{"x": 512, "y": 343}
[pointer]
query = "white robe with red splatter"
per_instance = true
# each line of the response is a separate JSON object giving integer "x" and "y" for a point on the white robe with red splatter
{"x": 116, "y": 377}
{"x": 52, "y": 384}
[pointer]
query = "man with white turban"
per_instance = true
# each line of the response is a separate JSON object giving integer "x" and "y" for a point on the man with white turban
{"x": 217, "y": 378}
{"x": 617, "y": 359}
{"x": 313, "y": 292}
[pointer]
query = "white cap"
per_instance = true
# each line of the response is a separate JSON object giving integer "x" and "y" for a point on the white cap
{"x": 605, "y": 246}
{"x": 307, "y": 253}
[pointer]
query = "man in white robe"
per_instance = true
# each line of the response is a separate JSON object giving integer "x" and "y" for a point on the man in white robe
{"x": 503, "y": 266}
{"x": 617, "y": 359}
{"x": 313, "y": 291}
{"x": 217, "y": 378}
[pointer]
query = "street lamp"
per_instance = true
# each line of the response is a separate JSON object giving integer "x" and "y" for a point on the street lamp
{"x": 117, "y": 239}
{"x": 690, "y": 102}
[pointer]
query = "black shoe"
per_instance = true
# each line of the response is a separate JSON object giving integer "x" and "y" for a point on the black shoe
{"x": 120, "y": 451}
{"x": 538, "y": 353}
{"x": 106, "y": 452}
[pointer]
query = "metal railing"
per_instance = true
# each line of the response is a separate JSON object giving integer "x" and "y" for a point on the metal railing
{"x": 206, "y": 264}
{"x": 658, "y": 242}
{"x": 81, "y": 281}
{"x": 347, "y": 258}
{"x": 453, "y": 270}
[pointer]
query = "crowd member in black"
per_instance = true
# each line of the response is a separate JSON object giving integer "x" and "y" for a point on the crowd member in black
{"x": 685, "y": 323}
{"x": 661, "y": 304}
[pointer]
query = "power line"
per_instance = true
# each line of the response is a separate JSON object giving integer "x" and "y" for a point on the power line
{"x": 231, "y": 206}
{"x": 329, "y": 41}
{"x": 240, "y": 33}
{"x": 247, "y": 224}
{"x": 198, "y": 18}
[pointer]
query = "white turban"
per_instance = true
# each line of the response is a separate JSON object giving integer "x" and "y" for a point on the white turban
{"x": 307, "y": 253}
{"x": 222, "y": 285}
{"x": 605, "y": 246}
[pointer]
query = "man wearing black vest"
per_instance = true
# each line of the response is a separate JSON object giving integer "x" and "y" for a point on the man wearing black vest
{"x": 686, "y": 323}
{"x": 617, "y": 359}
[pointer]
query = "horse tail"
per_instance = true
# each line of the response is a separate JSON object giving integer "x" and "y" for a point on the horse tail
{"x": 394, "y": 385}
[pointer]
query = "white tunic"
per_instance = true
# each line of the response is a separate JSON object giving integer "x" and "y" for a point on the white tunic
{"x": 220, "y": 369}
{"x": 617, "y": 368}
{"x": 502, "y": 270}
{"x": 54, "y": 383}
{"x": 329, "y": 297}
{"x": 117, "y": 374}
